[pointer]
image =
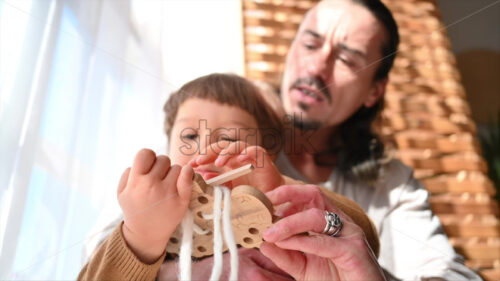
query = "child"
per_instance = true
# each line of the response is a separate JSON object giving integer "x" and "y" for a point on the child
{"x": 214, "y": 124}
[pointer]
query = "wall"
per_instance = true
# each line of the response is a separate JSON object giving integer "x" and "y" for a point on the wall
{"x": 474, "y": 31}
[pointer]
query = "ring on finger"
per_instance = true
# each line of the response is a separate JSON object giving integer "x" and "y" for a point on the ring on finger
{"x": 333, "y": 224}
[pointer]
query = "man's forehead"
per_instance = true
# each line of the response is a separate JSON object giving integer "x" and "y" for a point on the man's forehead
{"x": 343, "y": 21}
{"x": 325, "y": 14}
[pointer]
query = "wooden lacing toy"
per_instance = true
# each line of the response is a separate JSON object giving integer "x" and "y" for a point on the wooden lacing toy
{"x": 250, "y": 214}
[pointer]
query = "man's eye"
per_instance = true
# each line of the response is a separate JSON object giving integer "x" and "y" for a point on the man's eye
{"x": 190, "y": 136}
{"x": 345, "y": 61}
{"x": 310, "y": 46}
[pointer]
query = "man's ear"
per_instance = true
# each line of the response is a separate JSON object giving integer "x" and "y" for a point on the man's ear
{"x": 377, "y": 92}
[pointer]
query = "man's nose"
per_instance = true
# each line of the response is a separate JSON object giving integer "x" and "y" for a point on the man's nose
{"x": 320, "y": 64}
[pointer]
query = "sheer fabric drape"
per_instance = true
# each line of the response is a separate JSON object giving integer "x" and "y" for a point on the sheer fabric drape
{"x": 81, "y": 91}
{"x": 82, "y": 86}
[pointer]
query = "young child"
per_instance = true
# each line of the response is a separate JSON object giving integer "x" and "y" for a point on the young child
{"x": 214, "y": 124}
{"x": 196, "y": 118}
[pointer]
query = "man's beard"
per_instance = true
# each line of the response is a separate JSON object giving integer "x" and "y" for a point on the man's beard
{"x": 305, "y": 125}
{"x": 316, "y": 83}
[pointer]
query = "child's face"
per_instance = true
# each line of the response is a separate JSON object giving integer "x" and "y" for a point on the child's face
{"x": 200, "y": 123}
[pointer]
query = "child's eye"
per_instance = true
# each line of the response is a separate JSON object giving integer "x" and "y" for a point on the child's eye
{"x": 229, "y": 139}
{"x": 189, "y": 136}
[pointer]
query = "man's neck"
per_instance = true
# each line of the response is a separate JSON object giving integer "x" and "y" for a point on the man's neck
{"x": 302, "y": 147}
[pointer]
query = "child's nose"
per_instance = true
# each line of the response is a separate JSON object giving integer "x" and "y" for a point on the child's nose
{"x": 205, "y": 141}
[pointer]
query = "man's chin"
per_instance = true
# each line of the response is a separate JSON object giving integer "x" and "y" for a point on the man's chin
{"x": 305, "y": 123}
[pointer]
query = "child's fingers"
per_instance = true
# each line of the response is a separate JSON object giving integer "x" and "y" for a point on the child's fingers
{"x": 144, "y": 160}
{"x": 193, "y": 163}
{"x": 256, "y": 156}
{"x": 185, "y": 182}
{"x": 251, "y": 153}
{"x": 160, "y": 167}
{"x": 246, "y": 159}
{"x": 212, "y": 151}
{"x": 123, "y": 180}
{"x": 233, "y": 150}
{"x": 170, "y": 181}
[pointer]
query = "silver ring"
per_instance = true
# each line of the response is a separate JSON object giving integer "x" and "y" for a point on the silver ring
{"x": 333, "y": 224}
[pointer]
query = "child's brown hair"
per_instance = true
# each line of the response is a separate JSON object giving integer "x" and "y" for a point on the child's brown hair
{"x": 229, "y": 89}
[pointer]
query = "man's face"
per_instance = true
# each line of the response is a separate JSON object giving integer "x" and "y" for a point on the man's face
{"x": 331, "y": 64}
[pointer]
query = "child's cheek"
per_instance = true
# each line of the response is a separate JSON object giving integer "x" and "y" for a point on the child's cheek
{"x": 179, "y": 158}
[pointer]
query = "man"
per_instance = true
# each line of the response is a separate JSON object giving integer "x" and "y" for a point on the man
{"x": 333, "y": 86}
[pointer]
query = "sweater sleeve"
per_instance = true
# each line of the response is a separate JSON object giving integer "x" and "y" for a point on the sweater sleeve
{"x": 113, "y": 260}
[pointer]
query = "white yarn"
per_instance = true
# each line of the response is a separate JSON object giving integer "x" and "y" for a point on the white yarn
{"x": 186, "y": 246}
{"x": 206, "y": 216}
{"x": 188, "y": 226}
{"x": 199, "y": 230}
{"x": 229, "y": 235}
{"x": 217, "y": 268}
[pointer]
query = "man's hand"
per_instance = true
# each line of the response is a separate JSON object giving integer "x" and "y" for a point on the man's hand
{"x": 154, "y": 197}
{"x": 316, "y": 256}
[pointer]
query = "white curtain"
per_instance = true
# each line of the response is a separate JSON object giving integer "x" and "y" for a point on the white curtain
{"x": 82, "y": 85}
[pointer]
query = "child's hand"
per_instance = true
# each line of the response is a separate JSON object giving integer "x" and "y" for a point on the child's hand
{"x": 154, "y": 197}
{"x": 265, "y": 176}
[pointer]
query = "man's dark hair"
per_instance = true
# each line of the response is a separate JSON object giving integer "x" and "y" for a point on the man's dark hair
{"x": 361, "y": 151}
{"x": 390, "y": 46}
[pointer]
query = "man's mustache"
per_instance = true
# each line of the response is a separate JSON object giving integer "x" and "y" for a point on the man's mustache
{"x": 316, "y": 83}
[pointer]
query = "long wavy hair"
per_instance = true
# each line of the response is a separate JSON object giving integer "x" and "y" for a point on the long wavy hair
{"x": 359, "y": 151}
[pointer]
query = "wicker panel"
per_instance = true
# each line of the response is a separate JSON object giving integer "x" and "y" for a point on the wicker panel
{"x": 426, "y": 121}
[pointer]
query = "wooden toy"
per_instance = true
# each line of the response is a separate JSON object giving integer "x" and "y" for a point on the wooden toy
{"x": 251, "y": 214}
